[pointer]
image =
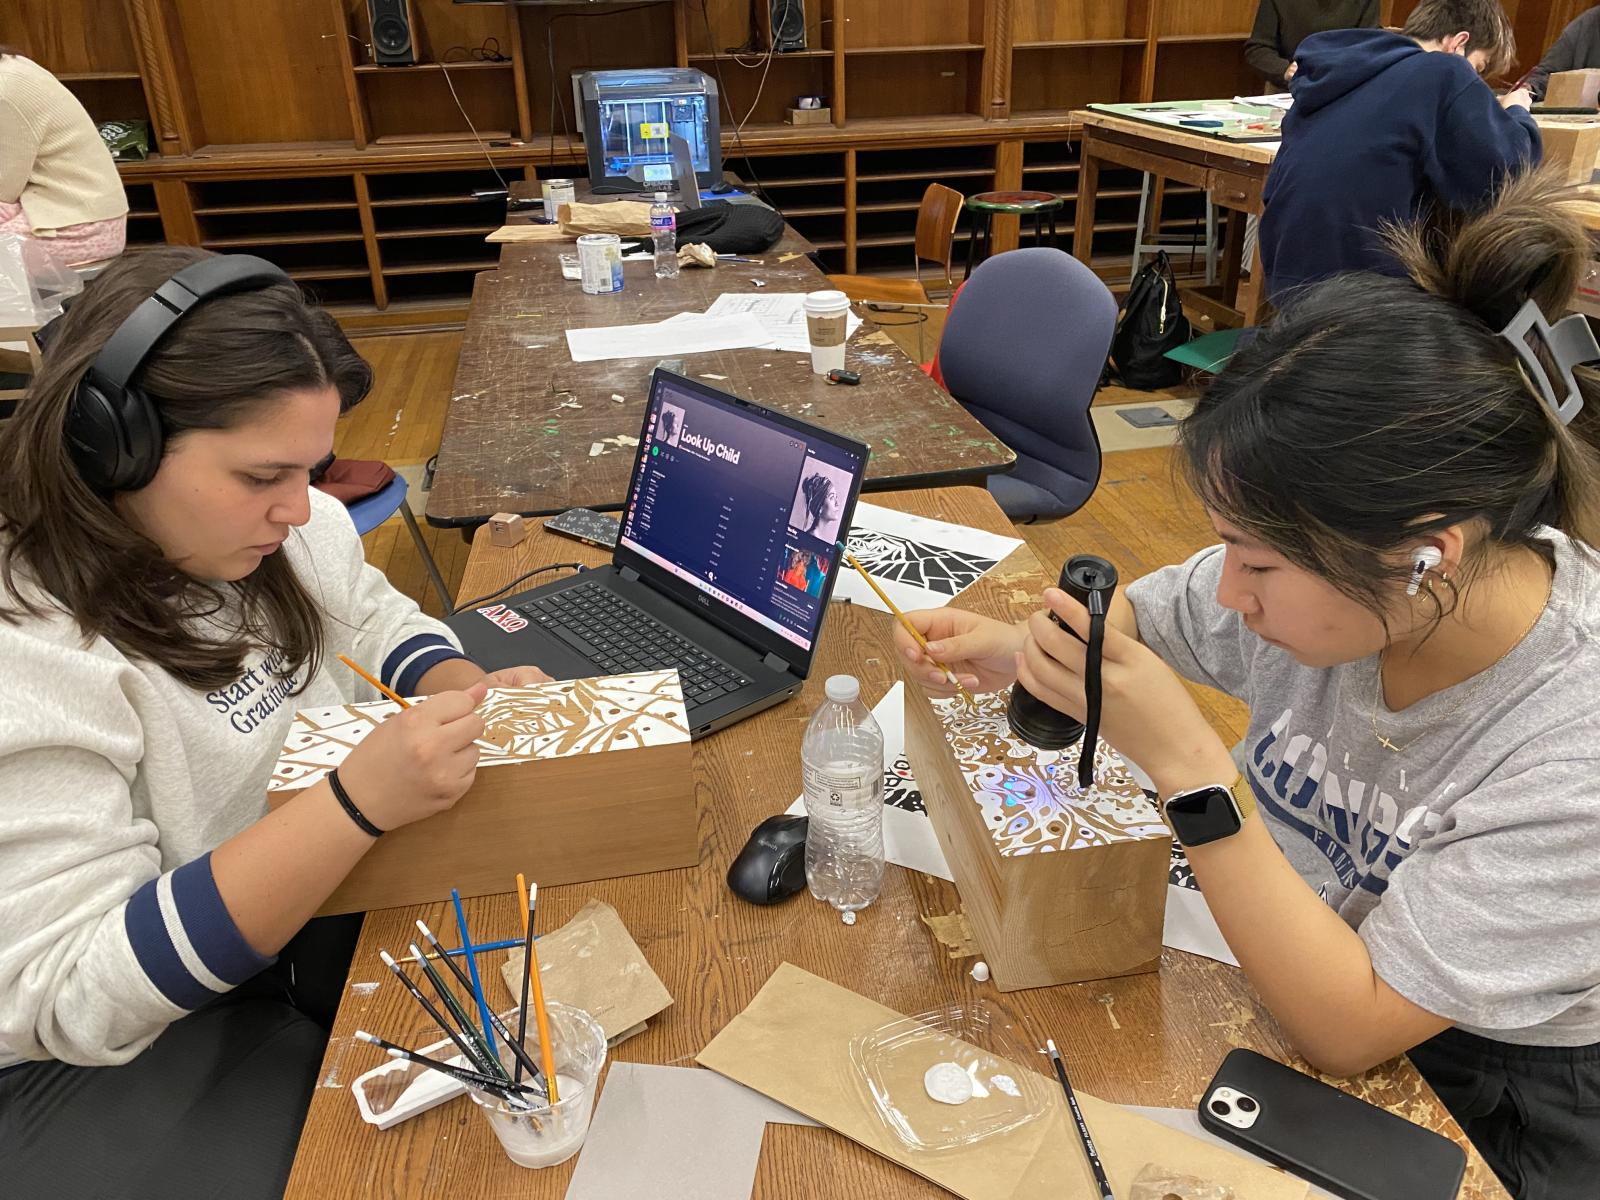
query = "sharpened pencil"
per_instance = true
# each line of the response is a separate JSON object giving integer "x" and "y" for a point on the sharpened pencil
{"x": 374, "y": 681}
{"x": 911, "y": 629}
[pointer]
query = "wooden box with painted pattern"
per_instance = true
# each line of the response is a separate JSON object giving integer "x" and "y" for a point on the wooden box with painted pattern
{"x": 1058, "y": 885}
{"x": 577, "y": 780}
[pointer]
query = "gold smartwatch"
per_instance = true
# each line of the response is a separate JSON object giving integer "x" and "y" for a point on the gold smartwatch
{"x": 1210, "y": 813}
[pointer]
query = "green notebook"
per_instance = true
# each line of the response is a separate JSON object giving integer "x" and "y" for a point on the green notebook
{"x": 1209, "y": 352}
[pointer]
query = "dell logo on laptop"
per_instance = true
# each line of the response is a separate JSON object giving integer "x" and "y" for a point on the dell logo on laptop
{"x": 704, "y": 603}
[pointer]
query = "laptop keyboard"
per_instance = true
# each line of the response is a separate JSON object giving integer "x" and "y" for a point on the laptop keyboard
{"x": 619, "y": 637}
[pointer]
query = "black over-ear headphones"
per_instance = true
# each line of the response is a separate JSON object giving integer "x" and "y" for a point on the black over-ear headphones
{"x": 113, "y": 431}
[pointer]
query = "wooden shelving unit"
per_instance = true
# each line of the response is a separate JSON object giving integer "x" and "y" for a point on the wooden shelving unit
{"x": 358, "y": 178}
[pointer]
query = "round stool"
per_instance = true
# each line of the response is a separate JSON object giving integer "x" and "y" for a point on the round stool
{"x": 1041, "y": 205}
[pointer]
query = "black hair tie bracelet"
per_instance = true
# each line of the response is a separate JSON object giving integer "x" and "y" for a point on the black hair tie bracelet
{"x": 349, "y": 806}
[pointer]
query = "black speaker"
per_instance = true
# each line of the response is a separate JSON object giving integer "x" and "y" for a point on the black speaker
{"x": 393, "y": 41}
{"x": 788, "y": 25}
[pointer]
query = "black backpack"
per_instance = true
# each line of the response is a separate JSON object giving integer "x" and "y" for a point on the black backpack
{"x": 1152, "y": 323}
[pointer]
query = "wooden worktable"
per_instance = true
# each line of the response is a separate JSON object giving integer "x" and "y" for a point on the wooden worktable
{"x": 509, "y": 445}
{"x": 1150, "y": 1039}
{"x": 1233, "y": 174}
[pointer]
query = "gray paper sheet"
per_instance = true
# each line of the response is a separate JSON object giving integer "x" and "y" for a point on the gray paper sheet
{"x": 674, "y": 1133}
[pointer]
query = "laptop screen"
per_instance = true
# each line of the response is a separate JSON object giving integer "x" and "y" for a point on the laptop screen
{"x": 743, "y": 506}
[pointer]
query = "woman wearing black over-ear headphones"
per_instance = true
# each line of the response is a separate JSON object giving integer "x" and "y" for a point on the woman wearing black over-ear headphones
{"x": 171, "y": 590}
{"x": 1405, "y": 854}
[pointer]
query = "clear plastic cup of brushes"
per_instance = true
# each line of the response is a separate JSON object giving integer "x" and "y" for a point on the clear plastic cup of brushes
{"x": 534, "y": 1132}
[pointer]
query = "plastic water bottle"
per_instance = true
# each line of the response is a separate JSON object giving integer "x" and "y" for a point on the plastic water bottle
{"x": 664, "y": 229}
{"x": 841, "y": 761}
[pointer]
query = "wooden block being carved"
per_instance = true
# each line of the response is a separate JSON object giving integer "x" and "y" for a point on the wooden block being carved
{"x": 591, "y": 780}
{"x": 506, "y": 529}
{"x": 1059, "y": 885}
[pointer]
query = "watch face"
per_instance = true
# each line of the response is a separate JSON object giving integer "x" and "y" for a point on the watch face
{"x": 1204, "y": 815}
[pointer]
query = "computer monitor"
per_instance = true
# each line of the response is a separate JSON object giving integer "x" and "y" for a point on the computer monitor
{"x": 740, "y": 512}
{"x": 630, "y": 117}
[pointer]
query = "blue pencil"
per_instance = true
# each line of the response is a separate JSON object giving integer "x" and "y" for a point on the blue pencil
{"x": 480, "y": 948}
{"x": 472, "y": 970}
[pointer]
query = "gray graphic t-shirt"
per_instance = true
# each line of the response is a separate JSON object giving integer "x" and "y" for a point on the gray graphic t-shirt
{"x": 1470, "y": 861}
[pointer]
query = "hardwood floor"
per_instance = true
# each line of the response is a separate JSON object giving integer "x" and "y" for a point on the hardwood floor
{"x": 1140, "y": 518}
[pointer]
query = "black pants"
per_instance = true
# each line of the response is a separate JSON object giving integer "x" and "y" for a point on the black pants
{"x": 212, "y": 1108}
{"x": 1532, "y": 1111}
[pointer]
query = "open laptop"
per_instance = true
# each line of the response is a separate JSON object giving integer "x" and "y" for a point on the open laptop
{"x": 728, "y": 552}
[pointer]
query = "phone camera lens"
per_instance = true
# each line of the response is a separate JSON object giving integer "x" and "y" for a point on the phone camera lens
{"x": 1220, "y": 1107}
{"x": 1246, "y": 1105}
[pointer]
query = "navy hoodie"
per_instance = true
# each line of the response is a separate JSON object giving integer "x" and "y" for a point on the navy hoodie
{"x": 1380, "y": 130}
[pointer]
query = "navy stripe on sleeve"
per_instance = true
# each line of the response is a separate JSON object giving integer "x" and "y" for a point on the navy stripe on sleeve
{"x": 210, "y": 927}
{"x": 184, "y": 938}
{"x": 413, "y": 658}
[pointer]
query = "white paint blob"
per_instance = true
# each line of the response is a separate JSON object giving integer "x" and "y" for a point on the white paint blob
{"x": 947, "y": 1083}
{"x": 1006, "y": 1084}
{"x": 980, "y": 971}
{"x": 849, "y": 918}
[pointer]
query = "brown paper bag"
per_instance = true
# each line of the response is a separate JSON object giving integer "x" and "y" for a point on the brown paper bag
{"x": 626, "y": 218}
{"x": 793, "y": 1044}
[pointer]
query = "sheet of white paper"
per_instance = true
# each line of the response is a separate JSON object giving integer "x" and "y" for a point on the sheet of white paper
{"x": 690, "y": 333}
{"x": 1186, "y": 1120}
{"x": 1282, "y": 101}
{"x": 918, "y": 561}
{"x": 782, "y": 314}
{"x": 674, "y": 1133}
{"x": 908, "y": 837}
{"x": 1191, "y": 927}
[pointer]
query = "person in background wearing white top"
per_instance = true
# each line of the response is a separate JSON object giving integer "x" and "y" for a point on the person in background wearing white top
{"x": 1405, "y": 855}
{"x": 171, "y": 590}
{"x": 58, "y": 182}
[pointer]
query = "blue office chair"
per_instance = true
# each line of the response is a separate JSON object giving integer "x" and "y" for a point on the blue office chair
{"x": 1023, "y": 353}
{"x": 371, "y": 511}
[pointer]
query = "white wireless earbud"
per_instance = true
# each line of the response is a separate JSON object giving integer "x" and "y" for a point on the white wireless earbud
{"x": 1424, "y": 559}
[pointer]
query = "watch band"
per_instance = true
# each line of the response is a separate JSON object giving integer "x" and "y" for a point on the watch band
{"x": 1244, "y": 796}
{"x": 349, "y": 806}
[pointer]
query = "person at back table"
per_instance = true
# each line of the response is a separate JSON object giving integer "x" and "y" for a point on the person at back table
{"x": 1387, "y": 127}
{"x": 1281, "y": 25}
{"x": 1576, "y": 48}
{"x": 58, "y": 184}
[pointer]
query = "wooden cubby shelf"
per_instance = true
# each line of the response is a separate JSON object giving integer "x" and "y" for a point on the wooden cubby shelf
{"x": 358, "y": 178}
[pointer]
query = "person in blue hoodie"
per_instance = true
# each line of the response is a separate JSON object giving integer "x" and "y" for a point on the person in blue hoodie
{"x": 1387, "y": 127}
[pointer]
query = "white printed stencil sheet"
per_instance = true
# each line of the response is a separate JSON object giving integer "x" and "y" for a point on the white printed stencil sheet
{"x": 543, "y": 720}
{"x": 918, "y": 562}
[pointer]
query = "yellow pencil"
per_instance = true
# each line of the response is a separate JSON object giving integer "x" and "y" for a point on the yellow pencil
{"x": 389, "y": 692}
{"x": 910, "y": 628}
{"x": 546, "y": 1059}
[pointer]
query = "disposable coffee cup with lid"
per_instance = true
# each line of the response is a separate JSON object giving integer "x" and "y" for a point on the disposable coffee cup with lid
{"x": 827, "y": 323}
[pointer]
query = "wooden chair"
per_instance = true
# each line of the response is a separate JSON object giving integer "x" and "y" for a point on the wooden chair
{"x": 937, "y": 216}
{"x": 19, "y": 355}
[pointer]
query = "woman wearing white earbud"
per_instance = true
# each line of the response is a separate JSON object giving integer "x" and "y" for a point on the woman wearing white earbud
{"x": 1404, "y": 854}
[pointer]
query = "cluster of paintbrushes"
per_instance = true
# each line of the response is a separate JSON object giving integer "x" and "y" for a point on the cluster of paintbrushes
{"x": 485, "y": 1071}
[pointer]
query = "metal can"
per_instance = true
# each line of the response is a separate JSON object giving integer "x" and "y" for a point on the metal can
{"x": 600, "y": 260}
{"x": 557, "y": 192}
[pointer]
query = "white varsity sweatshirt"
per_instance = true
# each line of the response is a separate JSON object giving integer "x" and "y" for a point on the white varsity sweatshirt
{"x": 116, "y": 783}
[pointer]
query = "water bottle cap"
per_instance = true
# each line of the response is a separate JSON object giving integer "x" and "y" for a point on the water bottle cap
{"x": 661, "y": 197}
{"x": 843, "y": 689}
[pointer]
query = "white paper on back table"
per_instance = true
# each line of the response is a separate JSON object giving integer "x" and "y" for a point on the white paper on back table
{"x": 688, "y": 333}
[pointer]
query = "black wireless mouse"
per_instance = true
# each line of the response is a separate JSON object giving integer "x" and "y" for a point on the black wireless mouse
{"x": 772, "y": 865}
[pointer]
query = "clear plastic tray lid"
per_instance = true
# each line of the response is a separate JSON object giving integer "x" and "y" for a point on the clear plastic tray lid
{"x": 910, "y": 1072}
